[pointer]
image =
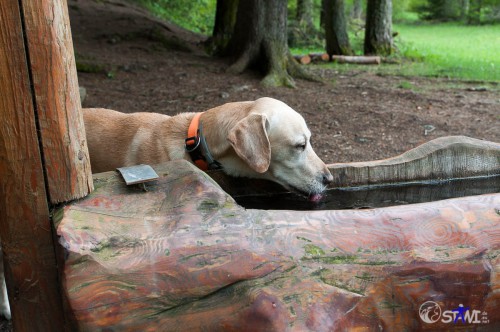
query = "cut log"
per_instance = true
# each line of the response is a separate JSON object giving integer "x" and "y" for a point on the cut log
{"x": 184, "y": 256}
{"x": 303, "y": 59}
{"x": 360, "y": 60}
{"x": 312, "y": 57}
{"x": 324, "y": 57}
{"x": 317, "y": 57}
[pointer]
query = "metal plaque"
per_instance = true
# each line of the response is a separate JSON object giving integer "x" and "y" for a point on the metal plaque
{"x": 137, "y": 174}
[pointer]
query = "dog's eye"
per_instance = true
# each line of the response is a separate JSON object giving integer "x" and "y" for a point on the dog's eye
{"x": 301, "y": 146}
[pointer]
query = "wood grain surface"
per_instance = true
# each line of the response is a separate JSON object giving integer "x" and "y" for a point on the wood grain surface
{"x": 25, "y": 228}
{"x": 57, "y": 99}
{"x": 183, "y": 256}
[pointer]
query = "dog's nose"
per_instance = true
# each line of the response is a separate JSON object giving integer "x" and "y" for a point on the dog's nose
{"x": 327, "y": 178}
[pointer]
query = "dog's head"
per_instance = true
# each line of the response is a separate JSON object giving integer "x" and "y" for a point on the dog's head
{"x": 274, "y": 141}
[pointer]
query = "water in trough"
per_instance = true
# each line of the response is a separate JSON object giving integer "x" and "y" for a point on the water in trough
{"x": 375, "y": 196}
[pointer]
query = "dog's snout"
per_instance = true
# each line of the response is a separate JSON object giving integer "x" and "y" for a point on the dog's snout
{"x": 327, "y": 178}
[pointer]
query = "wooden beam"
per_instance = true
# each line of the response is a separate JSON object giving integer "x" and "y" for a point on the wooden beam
{"x": 57, "y": 99}
{"x": 43, "y": 154}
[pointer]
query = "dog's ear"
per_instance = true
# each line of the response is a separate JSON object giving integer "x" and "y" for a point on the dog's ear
{"x": 249, "y": 139}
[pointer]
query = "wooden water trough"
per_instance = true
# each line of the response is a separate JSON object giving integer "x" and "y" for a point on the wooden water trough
{"x": 182, "y": 255}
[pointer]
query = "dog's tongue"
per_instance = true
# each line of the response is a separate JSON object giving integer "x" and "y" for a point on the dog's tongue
{"x": 315, "y": 197}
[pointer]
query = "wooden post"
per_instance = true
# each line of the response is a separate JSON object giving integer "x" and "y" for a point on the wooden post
{"x": 43, "y": 153}
{"x": 57, "y": 99}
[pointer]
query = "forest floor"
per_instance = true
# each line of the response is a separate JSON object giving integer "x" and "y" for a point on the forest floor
{"x": 135, "y": 62}
{"x": 130, "y": 62}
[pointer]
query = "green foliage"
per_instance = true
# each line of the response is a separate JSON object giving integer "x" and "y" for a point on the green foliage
{"x": 440, "y": 10}
{"x": 400, "y": 11}
{"x": 465, "y": 11}
{"x": 194, "y": 15}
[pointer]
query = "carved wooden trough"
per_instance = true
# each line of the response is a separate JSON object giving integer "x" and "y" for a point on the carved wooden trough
{"x": 184, "y": 256}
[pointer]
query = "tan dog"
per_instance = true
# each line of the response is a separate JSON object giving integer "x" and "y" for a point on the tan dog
{"x": 257, "y": 139}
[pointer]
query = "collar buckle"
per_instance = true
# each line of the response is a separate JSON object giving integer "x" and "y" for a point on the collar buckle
{"x": 192, "y": 143}
{"x": 196, "y": 145}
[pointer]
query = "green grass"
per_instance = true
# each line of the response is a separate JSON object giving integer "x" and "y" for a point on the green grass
{"x": 455, "y": 51}
{"x": 197, "y": 16}
{"x": 439, "y": 50}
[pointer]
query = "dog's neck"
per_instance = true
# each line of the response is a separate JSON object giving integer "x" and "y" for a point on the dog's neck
{"x": 217, "y": 122}
{"x": 197, "y": 147}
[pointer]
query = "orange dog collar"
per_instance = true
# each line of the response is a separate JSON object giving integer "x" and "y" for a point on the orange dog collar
{"x": 197, "y": 147}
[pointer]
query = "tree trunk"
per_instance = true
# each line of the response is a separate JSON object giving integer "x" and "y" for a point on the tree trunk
{"x": 337, "y": 40}
{"x": 378, "y": 34}
{"x": 260, "y": 40}
{"x": 474, "y": 15}
{"x": 305, "y": 15}
{"x": 357, "y": 9}
{"x": 225, "y": 19}
{"x": 464, "y": 9}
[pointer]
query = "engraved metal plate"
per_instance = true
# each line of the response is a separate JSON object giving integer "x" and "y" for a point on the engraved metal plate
{"x": 137, "y": 174}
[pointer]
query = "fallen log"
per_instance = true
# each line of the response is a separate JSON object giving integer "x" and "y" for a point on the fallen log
{"x": 360, "y": 60}
{"x": 324, "y": 57}
{"x": 312, "y": 57}
{"x": 303, "y": 59}
{"x": 317, "y": 57}
{"x": 184, "y": 256}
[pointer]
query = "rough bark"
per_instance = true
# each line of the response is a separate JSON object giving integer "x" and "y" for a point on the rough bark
{"x": 378, "y": 33}
{"x": 260, "y": 41}
{"x": 225, "y": 19}
{"x": 337, "y": 40}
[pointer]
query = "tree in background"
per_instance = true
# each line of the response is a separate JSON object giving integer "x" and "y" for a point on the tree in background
{"x": 225, "y": 19}
{"x": 337, "y": 39}
{"x": 302, "y": 31}
{"x": 260, "y": 40}
{"x": 305, "y": 15}
{"x": 474, "y": 13}
{"x": 440, "y": 10}
{"x": 357, "y": 10}
{"x": 464, "y": 9}
{"x": 468, "y": 11}
{"x": 378, "y": 33}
